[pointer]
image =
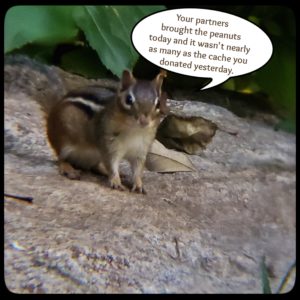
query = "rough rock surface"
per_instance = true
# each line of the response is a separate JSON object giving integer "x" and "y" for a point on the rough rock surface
{"x": 201, "y": 232}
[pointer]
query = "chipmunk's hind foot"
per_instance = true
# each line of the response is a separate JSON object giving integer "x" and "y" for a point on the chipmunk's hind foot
{"x": 66, "y": 169}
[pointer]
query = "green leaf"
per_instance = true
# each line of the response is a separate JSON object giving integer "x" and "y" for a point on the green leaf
{"x": 108, "y": 31}
{"x": 106, "y": 28}
{"x": 38, "y": 52}
{"x": 89, "y": 67}
{"x": 278, "y": 77}
{"x": 288, "y": 125}
{"x": 45, "y": 25}
{"x": 254, "y": 20}
{"x": 229, "y": 84}
{"x": 265, "y": 277}
{"x": 273, "y": 27}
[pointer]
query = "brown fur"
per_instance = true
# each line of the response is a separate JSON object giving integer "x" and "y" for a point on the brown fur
{"x": 112, "y": 134}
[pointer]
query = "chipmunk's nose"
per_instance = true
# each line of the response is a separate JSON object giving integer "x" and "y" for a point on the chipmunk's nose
{"x": 144, "y": 120}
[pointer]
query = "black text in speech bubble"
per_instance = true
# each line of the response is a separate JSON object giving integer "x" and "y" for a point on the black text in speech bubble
{"x": 202, "y": 43}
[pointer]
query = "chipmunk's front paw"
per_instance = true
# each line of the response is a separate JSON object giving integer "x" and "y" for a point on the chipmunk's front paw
{"x": 115, "y": 183}
{"x": 139, "y": 190}
{"x": 138, "y": 186}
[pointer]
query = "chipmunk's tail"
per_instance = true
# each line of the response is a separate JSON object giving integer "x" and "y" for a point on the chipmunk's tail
{"x": 27, "y": 77}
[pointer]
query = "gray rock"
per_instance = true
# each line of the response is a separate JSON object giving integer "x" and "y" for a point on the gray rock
{"x": 201, "y": 232}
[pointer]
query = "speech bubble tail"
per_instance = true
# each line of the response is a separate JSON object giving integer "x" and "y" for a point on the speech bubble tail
{"x": 215, "y": 81}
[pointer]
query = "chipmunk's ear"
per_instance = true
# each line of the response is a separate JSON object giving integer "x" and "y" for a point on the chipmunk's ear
{"x": 158, "y": 80}
{"x": 164, "y": 109}
{"x": 127, "y": 80}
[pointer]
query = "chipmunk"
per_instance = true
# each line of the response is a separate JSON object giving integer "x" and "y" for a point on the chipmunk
{"x": 84, "y": 135}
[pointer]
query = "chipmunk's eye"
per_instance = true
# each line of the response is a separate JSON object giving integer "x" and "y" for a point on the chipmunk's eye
{"x": 129, "y": 99}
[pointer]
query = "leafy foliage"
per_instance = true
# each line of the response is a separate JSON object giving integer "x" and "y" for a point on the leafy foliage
{"x": 43, "y": 25}
{"x": 264, "y": 274}
{"x": 107, "y": 29}
{"x": 278, "y": 77}
{"x": 265, "y": 277}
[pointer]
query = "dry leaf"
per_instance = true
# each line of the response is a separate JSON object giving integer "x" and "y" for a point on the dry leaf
{"x": 161, "y": 159}
{"x": 188, "y": 134}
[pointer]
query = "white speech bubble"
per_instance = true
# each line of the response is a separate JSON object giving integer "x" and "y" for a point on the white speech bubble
{"x": 202, "y": 43}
